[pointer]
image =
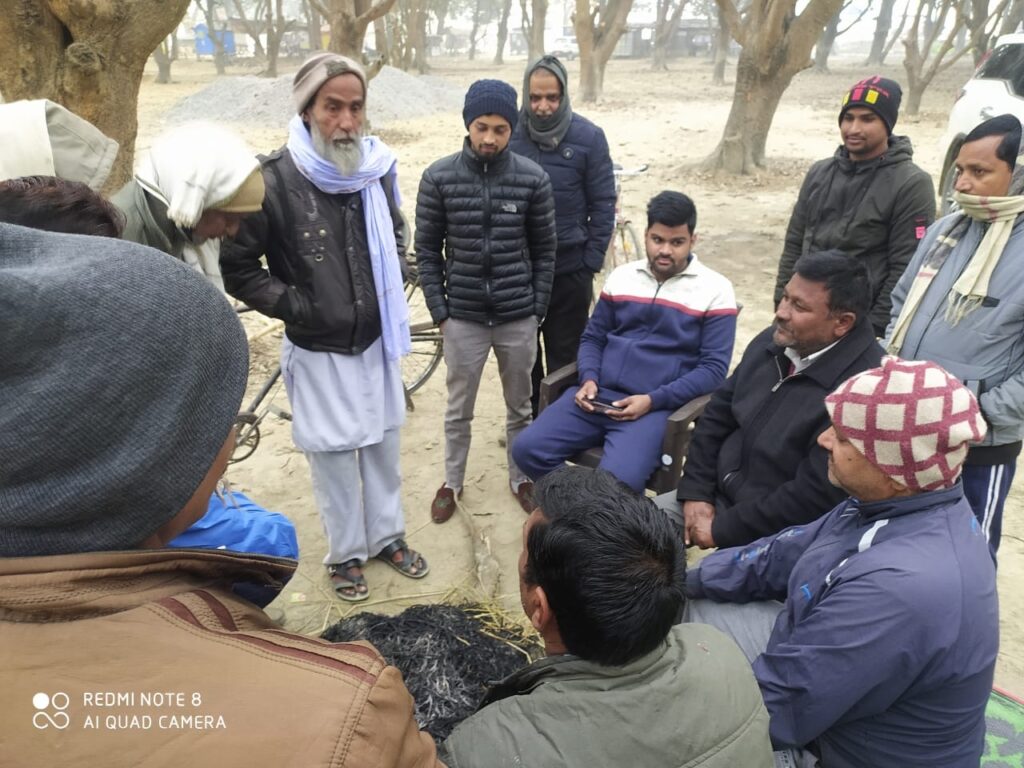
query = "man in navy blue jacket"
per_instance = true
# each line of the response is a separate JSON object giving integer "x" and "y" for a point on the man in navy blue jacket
{"x": 661, "y": 334}
{"x": 574, "y": 152}
{"x": 884, "y": 652}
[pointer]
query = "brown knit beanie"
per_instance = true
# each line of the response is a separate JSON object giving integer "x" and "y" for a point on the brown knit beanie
{"x": 317, "y": 70}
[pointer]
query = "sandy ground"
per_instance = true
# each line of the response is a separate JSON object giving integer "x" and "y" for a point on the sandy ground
{"x": 669, "y": 120}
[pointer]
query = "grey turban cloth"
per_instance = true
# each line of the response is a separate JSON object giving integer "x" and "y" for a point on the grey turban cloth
{"x": 121, "y": 373}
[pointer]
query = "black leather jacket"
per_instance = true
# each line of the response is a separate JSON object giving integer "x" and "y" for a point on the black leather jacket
{"x": 320, "y": 280}
{"x": 485, "y": 238}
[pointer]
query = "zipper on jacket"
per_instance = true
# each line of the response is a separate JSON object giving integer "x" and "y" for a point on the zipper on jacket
{"x": 488, "y": 297}
{"x": 782, "y": 377}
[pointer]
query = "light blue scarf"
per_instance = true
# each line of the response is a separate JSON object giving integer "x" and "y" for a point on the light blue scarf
{"x": 378, "y": 161}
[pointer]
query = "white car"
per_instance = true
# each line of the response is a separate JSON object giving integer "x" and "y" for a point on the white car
{"x": 567, "y": 48}
{"x": 996, "y": 88}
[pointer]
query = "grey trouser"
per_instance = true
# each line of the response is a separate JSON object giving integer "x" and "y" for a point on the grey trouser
{"x": 359, "y": 496}
{"x": 466, "y": 345}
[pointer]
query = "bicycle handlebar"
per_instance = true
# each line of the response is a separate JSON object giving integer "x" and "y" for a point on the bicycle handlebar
{"x": 618, "y": 170}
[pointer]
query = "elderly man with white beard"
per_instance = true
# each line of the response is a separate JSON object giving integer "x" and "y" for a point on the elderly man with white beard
{"x": 334, "y": 239}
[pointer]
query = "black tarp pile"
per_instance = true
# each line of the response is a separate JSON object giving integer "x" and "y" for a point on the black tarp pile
{"x": 447, "y": 654}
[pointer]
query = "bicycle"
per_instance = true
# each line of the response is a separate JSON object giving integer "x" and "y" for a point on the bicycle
{"x": 625, "y": 245}
{"x": 427, "y": 342}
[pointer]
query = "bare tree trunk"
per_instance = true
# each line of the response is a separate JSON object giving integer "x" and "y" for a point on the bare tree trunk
{"x": 418, "y": 35}
{"x": 380, "y": 40}
{"x": 776, "y": 44}
{"x": 922, "y": 60}
{"x": 597, "y": 33}
{"x": 823, "y": 48}
{"x": 721, "y": 51}
{"x": 534, "y": 20}
{"x": 251, "y": 29}
{"x": 474, "y": 35}
{"x": 664, "y": 31}
{"x": 1012, "y": 18}
{"x": 90, "y": 58}
{"x": 882, "y": 26}
{"x": 441, "y": 12}
{"x": 348, "y": 20}
{"x": 977, "y": 25}
{"x": 746, "y": 129}
{"x": 312, "y": 25}
{"x": 219, "y": 57}
{"x": 506, "y": 9}
{"x": 276, "y": 28}
{"x": 166, "y": 54}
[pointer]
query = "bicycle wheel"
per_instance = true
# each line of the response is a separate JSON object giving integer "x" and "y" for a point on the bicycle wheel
{"x": 427, "y": 343}
{"x": 631, "y": 250}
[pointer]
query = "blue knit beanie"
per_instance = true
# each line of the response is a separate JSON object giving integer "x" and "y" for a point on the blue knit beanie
{"x": 490, "y": 97}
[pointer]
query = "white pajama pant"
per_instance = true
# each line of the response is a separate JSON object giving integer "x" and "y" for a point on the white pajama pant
{"x": 358, "y": 494}
{"x": 346, "y": 415}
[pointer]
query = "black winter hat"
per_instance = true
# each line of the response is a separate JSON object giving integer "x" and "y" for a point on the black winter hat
{"x": 879, "y": 94}
{"x": 490, "y": 97}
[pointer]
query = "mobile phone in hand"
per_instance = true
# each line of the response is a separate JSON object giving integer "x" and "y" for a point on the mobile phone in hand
{"x": 602, "y": 407}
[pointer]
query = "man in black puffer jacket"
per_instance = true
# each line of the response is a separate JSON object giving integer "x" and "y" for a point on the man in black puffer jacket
{"x": 754, "y": 466}
{"x": 485, "y": 247}
{"x": 869, "y": 201}
{"x": 574, "y": 152}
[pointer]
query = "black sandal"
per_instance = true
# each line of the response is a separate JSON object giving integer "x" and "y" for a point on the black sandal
{"x": 343, "y": 579}
{"x": 411, "y": 564}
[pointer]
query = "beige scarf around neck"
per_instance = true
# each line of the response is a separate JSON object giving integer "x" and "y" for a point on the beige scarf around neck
{"x": 971, "y": 287}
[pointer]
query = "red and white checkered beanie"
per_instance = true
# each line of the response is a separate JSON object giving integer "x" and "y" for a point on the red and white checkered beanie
{"x": 909, "y": 418}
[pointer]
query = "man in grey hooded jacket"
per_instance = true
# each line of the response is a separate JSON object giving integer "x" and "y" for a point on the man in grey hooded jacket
{"x": 574, "y": 152}
{"x": 869, "y": 200}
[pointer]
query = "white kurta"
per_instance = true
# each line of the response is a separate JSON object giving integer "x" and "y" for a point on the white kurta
{"x": 342, "y": 402}
{"x": 346, "y": 411}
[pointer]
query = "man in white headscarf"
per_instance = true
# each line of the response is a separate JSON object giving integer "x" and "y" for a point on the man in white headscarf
{"x": 332, "y": 232}
{"x": 192, "y": 187}
{"x": 41, "y": 138}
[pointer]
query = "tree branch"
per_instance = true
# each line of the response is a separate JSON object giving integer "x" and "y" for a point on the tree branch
{"x": 375, "y": 12}
{"x": 861, "y": 16}
{"x": 731, "y": 17}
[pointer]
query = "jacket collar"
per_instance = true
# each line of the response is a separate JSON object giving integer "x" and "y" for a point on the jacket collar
{"x": 906, "y": 505}
{"x": 529, "y": 678}
{"x": 827, "y": 369}
{"x": 693, "y": 267}
{"x": 69, "y": 587}
{"x": 480, "y": 166}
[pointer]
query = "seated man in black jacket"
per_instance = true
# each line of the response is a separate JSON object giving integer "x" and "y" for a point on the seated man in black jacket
{"x": 754, "y": 466}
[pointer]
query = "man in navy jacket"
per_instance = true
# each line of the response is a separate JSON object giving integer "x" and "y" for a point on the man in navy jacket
{"x": 574, "y": 152}
{"x": 884, "y": 652}
{"x": 661, "y": 335}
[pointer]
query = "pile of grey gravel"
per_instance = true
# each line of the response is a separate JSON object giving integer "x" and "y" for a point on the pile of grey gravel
{"x": 394, "y": 95}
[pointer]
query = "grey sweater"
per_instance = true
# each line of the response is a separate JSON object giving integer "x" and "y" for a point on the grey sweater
{"x": 985, "y": 350}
